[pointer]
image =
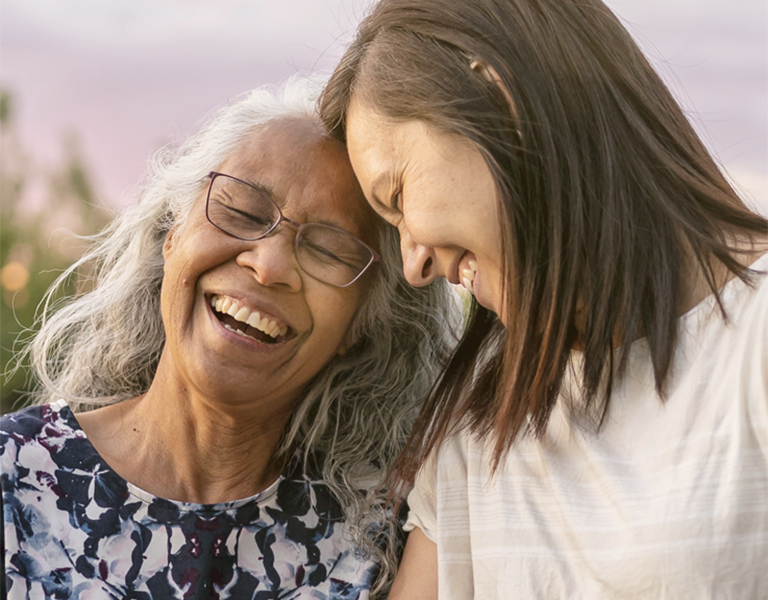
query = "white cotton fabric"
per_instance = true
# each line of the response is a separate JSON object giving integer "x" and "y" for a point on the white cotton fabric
{"x": 668, "y": 501}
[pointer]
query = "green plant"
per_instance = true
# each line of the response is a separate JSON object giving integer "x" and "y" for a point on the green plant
{"x": 43, "y": 215}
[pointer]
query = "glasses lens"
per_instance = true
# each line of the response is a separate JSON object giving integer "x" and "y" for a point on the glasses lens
{"x": 332, "y": 255}
{"x": 240, "y": 209}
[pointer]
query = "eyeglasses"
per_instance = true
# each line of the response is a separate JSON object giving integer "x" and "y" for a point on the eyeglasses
{"x": 247, "y": 212}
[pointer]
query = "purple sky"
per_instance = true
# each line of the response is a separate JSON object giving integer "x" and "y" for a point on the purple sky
{"x": 131, "y": 75}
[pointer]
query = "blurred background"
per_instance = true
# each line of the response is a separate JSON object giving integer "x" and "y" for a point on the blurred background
{"x": 90, "y": 88}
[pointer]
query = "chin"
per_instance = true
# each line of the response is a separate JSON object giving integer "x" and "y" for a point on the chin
{"x": 493, "y": 306}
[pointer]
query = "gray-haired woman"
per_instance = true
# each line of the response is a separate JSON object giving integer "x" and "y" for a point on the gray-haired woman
{"x": 245, "y": 365}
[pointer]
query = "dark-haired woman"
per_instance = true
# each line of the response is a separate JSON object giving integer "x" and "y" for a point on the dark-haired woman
{"x": 602, "y": 431}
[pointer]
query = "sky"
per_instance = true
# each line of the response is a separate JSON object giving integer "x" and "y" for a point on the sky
{"x": 129, "y": 76}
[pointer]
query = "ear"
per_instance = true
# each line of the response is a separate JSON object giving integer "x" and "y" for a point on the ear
{"x": 491, "y": 75}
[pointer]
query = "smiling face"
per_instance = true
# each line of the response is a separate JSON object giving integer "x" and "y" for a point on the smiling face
{"x": 242, "y": 319}
{"x": 438, "y": 191}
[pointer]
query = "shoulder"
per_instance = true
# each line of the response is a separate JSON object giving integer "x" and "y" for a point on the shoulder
{"x": 746, "y": 306}
{"x": 302, "y": 489}
{"x": 756, "y": 293}
{"x": 756, "y": 290}
{"x": 761, "y": 287}
{"x": 304, "y": 513}
{"x": 452, "y": 460}
{"x": 37, "y": 440}
{"x": 441, "y": 479}
{"x": 43, "y": 424}
{"x": 751, "y": 322}
{"x": 745, "y": 328}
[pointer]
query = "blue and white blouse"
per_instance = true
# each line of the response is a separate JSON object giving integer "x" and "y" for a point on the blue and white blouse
{"x": 73, "y": 528}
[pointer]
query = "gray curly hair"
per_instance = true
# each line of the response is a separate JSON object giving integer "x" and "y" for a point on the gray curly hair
{"x": 103, "y": 346}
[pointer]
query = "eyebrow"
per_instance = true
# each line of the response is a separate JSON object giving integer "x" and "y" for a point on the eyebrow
{"x": 333, "y": 224}
{"x": 265, "y": 189}
{"x": 281, "y": 203}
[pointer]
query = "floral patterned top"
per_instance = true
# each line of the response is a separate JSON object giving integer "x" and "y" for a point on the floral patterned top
{"x": 75, "y": 529}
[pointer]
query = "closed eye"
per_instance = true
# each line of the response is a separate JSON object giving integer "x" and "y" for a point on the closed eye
{"x": 241, "y": 214}
{"x": 320, "y": 253}
{"x": 396, "y": 202}
{"x": 383, "y": 200}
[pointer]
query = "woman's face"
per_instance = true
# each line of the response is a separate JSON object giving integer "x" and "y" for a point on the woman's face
{"x": 297, "y": 324}
{"x": 438, "y": 191}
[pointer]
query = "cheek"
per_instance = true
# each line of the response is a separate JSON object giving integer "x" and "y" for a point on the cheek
{"x": 346, "y": 309}
{"x": 177, "y": 294}
{"x": 432, "y": 213}
{"x": 428, "y": 227}
{"x": 169, "y": 297}
{"x": 334, "y": 313}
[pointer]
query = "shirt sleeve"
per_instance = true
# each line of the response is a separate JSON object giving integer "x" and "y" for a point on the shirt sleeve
{"x": 422, "y": 500}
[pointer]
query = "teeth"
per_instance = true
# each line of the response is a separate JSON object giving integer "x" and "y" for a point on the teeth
{"x": 226, "y": 305}
{"x": 237, "y": 331}
{"x": 467, "y": 279}
{"x": 267, "y": 327}
{"x": 468, "y": 276}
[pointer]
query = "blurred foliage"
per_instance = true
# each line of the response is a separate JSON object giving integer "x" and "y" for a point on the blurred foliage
{"x": 42, "y": 211}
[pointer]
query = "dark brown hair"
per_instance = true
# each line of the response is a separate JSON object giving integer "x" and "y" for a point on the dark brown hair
{"x": 610, "y": 198}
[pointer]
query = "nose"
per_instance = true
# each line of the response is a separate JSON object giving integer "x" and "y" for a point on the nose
{"x": 272, "y": 259}
{"x": 419, "y": 262}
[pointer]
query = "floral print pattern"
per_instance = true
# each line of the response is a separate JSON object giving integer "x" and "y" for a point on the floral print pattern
{"x": 73, "y": 528}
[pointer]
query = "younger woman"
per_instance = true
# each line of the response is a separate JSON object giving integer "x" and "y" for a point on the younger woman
{"x": 602, "y": 431}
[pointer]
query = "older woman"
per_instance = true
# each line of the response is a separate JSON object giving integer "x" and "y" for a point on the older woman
{"x": 246, "y": 364}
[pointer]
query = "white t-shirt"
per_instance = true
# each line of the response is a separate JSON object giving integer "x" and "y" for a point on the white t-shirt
{"x": 669, "y": 500}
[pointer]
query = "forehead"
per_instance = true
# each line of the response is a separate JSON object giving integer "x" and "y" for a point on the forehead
{"x": 372, "y": 133}
{"x": 367, "y": 126}
{"x": 308, "y": 173}
{"x": 384, "y": 150}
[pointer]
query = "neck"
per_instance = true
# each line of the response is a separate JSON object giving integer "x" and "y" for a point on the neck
{"x": 180, "y": 445}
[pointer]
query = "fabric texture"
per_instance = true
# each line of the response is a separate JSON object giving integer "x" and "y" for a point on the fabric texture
{"x": 669, "y": 500}
{"x": 76, "y": 529}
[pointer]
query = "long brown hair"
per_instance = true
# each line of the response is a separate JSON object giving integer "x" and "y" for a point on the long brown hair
{"x": 610, "y": 199}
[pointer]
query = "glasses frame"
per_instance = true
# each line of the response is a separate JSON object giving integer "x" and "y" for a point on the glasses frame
{"x": 375, "y": 256}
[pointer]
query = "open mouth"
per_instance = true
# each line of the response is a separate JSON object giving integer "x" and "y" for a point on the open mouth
{"x": 241, "y": 320}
